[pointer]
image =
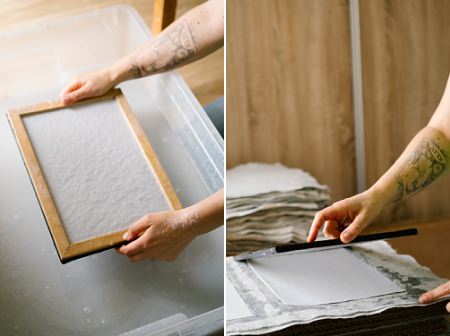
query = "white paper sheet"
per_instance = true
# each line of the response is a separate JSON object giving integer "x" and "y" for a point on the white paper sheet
{"x": 324, "y": 277}
{"x": 235, "y": 306}
{"x": 97, "y": 174}
{"x": 258, "y": 178}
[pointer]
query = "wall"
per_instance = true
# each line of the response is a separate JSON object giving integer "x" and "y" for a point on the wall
{"x": 405, "y": 65}
{"x": 290, "y": 91}
{"x": 289, "y": 95}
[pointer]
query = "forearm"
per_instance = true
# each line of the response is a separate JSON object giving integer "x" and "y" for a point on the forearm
{"x": 207, "y": 214}
{"x": 425, "y": 159}
{"x": 192, "y": 36}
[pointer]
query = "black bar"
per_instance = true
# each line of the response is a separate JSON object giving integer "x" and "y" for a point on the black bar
{"x": 337, "y": 242}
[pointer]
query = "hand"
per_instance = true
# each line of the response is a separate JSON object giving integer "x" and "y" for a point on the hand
{"x": 435, "y": 294}
{"x": 88, "y": 85}
{"x": 347, "y": 218}
{"x": 160, "y": 236}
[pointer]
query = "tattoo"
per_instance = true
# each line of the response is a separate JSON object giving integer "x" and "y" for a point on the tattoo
{"x": 135, "y": 70}
{"x": 427, "y": 162}
{"x": 170, "y": 49}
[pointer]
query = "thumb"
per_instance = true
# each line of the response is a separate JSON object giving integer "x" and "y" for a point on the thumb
{"x": 354, "y": 229}
{"x": 436, "y": 293}
{"x": 137, "y": 227}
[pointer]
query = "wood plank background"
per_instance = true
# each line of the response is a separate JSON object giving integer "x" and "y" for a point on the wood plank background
{"x": 405, "y": 65}
{"x": 289, "y": 95}
{"x": 290, "y": 92}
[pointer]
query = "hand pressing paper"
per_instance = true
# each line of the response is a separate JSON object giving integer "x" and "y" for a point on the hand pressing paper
{"x": 324, "y": 277}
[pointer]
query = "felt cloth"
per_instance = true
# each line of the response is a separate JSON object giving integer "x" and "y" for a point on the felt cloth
{"x": 392, "y": 311}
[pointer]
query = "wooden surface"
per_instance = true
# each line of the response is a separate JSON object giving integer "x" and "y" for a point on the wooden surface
{"x": 163, "y": 14}
{"x": 289, "y": 94}
{"x": 68, "y": 251}
{"x": 38, "y": 180}
{"x": 205, "y": 77}
{"x": 150, "y": 154}
{"x": 405, "y": 65}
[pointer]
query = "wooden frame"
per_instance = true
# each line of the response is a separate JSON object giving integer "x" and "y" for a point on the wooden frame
{"x": 69, "y": 251}
{"x": 163, "y": 14}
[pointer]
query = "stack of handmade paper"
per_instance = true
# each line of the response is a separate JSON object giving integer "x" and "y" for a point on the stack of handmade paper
{"x": 270, "y": 204}
{"x": 367, "y": 290}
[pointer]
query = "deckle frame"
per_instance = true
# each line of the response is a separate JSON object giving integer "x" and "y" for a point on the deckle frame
{"x": 69, "y": 251}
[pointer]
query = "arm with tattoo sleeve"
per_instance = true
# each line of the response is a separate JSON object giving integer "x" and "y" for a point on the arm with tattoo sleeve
{"x": 191, "y": 37}
{"x": 425, "y": 159}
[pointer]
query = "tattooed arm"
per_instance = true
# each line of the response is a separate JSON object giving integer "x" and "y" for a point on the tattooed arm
{"x": 425, "y": 159}
{"x": 194, "y": 35}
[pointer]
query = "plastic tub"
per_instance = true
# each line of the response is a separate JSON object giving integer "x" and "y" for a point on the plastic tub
{"x": 104, "y": 294}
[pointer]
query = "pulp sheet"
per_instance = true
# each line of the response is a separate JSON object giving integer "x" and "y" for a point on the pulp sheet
{"x": 315, "y": 278}
{"x": 235, "y": 307}
{"x": 97, "y": 173}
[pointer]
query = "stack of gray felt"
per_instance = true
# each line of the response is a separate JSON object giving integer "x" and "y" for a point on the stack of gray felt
{"x": 270, "y": 204}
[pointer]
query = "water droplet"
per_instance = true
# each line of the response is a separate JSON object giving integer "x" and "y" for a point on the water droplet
{"x": 43, "y": 250}
{"x": 88, "y": 321}
{"x": 87, "y": 310}
{"x": 180, "y": 280}
{"x": 68, "y": 275}
{"x": 94, "y": 257}
{"x": 103, "y": 321}
{"x": 47, "y": 287}
{"x": 16, "y": 216}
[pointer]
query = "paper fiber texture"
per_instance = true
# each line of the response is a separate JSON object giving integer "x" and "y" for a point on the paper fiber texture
{"x": 235, "y": 307}
{"x": 316, "y": 278}
{"x": 271, "y": 313}
{"x": 258, "y": 178}
{"x": 270, "y": 204}
{"x": 97, "y": 174}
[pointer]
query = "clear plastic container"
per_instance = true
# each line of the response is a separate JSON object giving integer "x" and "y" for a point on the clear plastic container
{"x": 102, "y": 294}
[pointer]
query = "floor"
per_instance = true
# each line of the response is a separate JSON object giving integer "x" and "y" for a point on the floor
{"x": 204, "y": 77}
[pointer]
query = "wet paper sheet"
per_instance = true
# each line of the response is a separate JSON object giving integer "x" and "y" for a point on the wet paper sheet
{"x": 235, "y": 307}
{"x": 317, "y": 278}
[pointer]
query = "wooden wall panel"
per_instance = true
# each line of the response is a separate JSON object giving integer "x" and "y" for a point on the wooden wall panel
{"x": 405, "y": 65}
{"x": 289, "y": 95}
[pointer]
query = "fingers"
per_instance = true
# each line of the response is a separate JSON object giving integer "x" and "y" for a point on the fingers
{"x": 73, "y": 92}
{"x": 137, "y": 257}
{"x": 73, "y": 86}
{"x": 133, "y": 248}
{"x": 319, "y": 220}
{"x": 137, "y": 227}
{"x": 331, "y": 229}
{"x": 354, "y": 229}
{"x": 436, "y": 293}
